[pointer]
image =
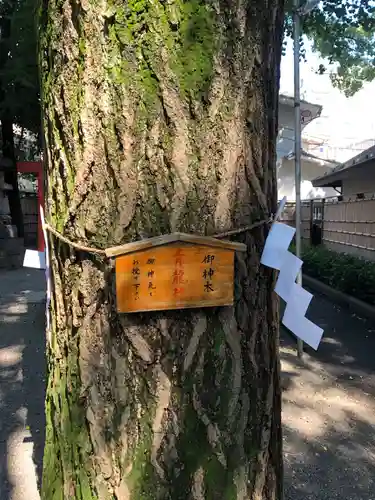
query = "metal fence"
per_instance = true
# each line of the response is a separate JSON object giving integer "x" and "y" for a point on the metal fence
{"x": 342, "y": 224}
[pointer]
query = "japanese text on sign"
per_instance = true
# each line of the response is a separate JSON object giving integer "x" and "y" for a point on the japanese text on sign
{"x": 173, "y": 277}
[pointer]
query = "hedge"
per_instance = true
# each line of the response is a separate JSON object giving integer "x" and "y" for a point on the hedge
{"x": 346, "y": 273}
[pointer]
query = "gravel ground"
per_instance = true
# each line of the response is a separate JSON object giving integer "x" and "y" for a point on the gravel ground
{"x": 329, "y": 409}
{"x": 328, "y": 412}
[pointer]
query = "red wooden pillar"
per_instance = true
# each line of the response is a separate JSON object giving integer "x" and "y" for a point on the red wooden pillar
{"x": 35, "y": 167}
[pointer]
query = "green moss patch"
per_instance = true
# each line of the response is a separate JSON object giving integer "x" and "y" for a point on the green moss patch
{"x": 139, "y": 31}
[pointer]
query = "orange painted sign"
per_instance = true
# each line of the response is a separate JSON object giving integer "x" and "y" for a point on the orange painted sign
{"x": 174, "y": 276}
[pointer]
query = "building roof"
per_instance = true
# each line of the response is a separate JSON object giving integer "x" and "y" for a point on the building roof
{"x": 309, "y": 110}
{"x": 334, "y": 177}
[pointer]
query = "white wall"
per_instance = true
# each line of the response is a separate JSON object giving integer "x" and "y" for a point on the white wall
{"x": 359, "y": 180}
{"x": 309, "y": 171}
{"x": 285, "y": 139}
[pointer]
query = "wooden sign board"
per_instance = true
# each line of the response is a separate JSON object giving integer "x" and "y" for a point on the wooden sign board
{"x": 175, "y": 276}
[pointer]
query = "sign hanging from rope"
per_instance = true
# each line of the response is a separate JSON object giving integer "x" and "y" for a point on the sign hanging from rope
{"x": 177, "y": 271}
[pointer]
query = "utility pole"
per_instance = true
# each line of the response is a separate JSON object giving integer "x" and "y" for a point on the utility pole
{"x": 300, "y": 9}
{"x": 297, "y": 140}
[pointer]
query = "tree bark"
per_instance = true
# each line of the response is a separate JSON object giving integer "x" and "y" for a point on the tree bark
{"x": 160, "y": 117}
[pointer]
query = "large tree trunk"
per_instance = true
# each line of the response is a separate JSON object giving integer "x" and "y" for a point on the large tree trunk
{"x": 160, "y": 116}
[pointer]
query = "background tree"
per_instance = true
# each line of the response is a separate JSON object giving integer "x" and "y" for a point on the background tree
{"x": 19, "y": 87}
{"x": 6, "y": 118}
{"x": 19, "y": 75}
{"x": 343, "y": 33}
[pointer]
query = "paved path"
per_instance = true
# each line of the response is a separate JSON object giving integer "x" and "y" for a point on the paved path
{"x": 329, "y": 410}
{"x": 22, "y": 368}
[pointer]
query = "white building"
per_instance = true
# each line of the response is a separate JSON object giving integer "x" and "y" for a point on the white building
{"x": 353, "y": 178}
{"x": 311, "y": 165}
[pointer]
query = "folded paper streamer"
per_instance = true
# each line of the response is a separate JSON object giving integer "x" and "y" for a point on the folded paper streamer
{"x": 34, "y": 259}
{"x": 294, "y": 317}
{"x": 277, "y": 244}
{"x": 277, "y": 256}
{"x": 289, "y": 270}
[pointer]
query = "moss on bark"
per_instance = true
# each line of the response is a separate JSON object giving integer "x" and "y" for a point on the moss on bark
{"x": 143, "y": 30}
{"x": 160, "y": 116}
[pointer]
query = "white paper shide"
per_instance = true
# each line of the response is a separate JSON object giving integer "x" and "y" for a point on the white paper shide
{"x": 277, "y": 256}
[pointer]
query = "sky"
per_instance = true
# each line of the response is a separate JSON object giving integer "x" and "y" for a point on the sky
{"x": 343, "y": 121}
